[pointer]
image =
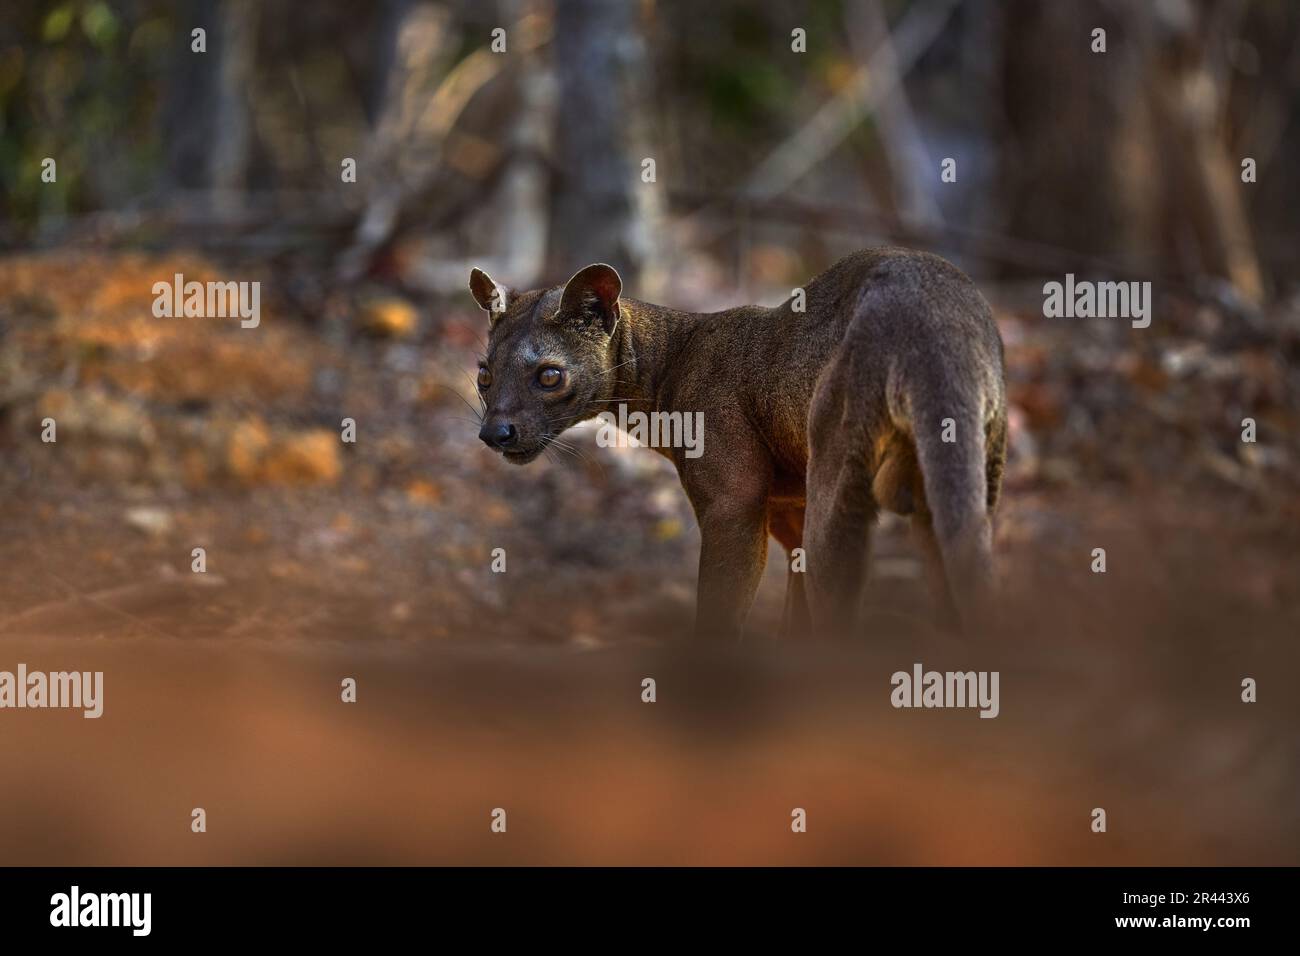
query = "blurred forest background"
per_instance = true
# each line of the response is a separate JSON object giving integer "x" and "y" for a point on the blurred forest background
{"x": 1067, "y": 159}
{"x": 373, "y": 558}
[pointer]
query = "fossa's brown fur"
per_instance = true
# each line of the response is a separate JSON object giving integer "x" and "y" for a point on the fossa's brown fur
{"x": 885, "y": 393}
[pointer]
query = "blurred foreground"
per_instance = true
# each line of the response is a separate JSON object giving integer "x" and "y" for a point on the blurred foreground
{"x": 522, "y": 690}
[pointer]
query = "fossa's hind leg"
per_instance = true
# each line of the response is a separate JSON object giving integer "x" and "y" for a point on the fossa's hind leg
{"x": 786, "y": 525}
{"x": 840, "y": 511}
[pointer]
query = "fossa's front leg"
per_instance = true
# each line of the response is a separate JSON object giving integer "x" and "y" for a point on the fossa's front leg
{"x": 733, "y": 552}
{"x": 729, "y": 494}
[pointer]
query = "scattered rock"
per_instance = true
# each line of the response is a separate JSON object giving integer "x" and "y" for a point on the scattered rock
{"x": 156, "y": 522}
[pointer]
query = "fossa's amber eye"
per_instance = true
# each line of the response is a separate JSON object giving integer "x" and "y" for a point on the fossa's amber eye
{"x": 484, "y": 377}
{"x": 549, "y": 377}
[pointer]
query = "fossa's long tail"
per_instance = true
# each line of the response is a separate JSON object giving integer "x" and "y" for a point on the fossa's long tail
{"x": 960, "y": 453}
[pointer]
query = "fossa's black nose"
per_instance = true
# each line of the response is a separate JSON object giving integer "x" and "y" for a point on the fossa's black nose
{"x": 499, "y": 435}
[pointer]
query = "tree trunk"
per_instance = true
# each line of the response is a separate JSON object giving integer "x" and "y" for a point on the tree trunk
{"x": 603, "y": 211}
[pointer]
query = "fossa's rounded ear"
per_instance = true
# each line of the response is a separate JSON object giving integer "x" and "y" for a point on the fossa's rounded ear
{"x": 490, "y": 297}
{"x": 593, "y": 292}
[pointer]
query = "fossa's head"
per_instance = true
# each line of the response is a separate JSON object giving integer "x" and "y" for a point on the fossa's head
{"x": 549, "y": 358}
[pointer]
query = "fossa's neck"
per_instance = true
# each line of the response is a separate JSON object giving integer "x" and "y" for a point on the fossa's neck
{"x": 648, "y": 342}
